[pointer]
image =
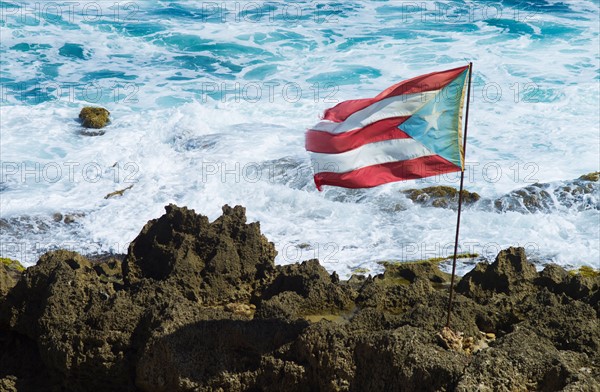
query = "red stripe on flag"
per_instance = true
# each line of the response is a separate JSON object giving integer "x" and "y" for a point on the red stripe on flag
{"x": 430, "y": 82}
{"x": 330, "y": 143}
{"x": 370, "y": 176}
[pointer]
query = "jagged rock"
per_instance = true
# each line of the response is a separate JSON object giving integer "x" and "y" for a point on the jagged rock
{"x": 508, "y": 272}
{"x": 211, "y": 354}
{"x": 6, "y": 282}
{"x": 21, "y": 366}
{"x": 582, "y": 287}
{"x": 323, "y": 348}
{"x": 94, "y": 117}
{"x": 552, "y": 277}
{"x": 572, "y": 325}
{"x": 12, "y": 267}
{"x": 222, "y": 261}
{"x": 524, "y": 361}
{"x": 80, "y": 324}
{"x": 305, "y": 288}
{"x": 405, "y": 359}
{"x": 421, "y": 305}
{"x": 577, "y": 286}
{"x": 393, "y": 294}
{"x": 200, "y": 306}
{"x": 286, "y": 305}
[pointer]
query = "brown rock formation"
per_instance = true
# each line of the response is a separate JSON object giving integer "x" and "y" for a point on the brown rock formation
{"x": 200, "y": 306}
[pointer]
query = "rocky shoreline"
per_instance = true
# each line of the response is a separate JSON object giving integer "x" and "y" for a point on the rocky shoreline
{"x": 201, "y": 306}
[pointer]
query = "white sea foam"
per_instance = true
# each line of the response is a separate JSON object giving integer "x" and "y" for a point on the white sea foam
{"x": 177, "y": 141}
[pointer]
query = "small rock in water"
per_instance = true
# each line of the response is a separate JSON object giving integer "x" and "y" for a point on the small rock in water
{"x": 94, "y": 117}
{"x": 440, "y": 196}
{"x": 594, "y": 177}
{"x": 69, "y": 219}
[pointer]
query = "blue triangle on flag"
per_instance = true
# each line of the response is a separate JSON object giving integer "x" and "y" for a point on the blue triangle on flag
{"x": 437, "y": 123}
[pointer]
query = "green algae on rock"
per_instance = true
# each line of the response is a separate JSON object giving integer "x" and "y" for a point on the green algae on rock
{"x": 413, "y": 270}
{"x": 12, "y": 264}
{"x": 585, "y": 270}
{"x": 441, "y": 196}
{"x": 435, "y": 259}
{"x": 94, "y": 117}
{"x": 360, "y": 271}
{"x": 10, "y": 272}
{"x": 594, "y": 176}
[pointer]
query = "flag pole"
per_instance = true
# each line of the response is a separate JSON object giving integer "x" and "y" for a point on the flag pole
{"x": 460, "y": 197}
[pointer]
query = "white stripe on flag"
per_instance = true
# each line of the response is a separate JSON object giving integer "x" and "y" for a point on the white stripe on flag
{"x": 369, "y": 154}
{"x": 397, "y": 106}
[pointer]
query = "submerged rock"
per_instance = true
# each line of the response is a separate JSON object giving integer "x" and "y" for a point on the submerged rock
{"x": 441, "y": 196}
{"x": 94, "y": 117}
{"x": 580, "y": 194}
{"x": 200, "y": 305}
{"x": 533, "y": 198}
{"x": 593, "y": 177}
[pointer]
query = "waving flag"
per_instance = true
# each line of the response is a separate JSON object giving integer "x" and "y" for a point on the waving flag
{"x": 410, "y": 130}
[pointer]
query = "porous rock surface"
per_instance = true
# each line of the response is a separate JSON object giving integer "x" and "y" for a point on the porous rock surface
{"x": 200, "y": 306}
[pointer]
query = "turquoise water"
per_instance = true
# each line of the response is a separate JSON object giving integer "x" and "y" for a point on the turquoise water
{"x": 210, "y": 101}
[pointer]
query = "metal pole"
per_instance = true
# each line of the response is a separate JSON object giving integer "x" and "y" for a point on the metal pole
{"x": 460, "y": 192}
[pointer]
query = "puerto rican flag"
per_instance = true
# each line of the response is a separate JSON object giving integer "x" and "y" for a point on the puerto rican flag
{"x": 411, "y": 130}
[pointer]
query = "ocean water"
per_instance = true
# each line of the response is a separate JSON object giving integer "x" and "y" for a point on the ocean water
{"x": 210, "y": 101}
